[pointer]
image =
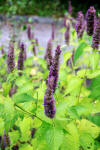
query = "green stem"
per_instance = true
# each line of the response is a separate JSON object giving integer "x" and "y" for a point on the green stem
{"x": 32, "y": 115}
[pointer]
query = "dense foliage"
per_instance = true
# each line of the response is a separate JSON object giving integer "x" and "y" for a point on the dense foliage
{"x": 55, "y": 106}
{"x": 46, "y": 8}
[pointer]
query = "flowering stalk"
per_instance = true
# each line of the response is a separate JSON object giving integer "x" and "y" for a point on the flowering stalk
{"x": 55, "y": 68}
{"x": 67, "y": 33}
{"x": 13, "y": 90}
{"x": 29, "y": 33}
{"x": 20, "y": 64}
{"x": 65, "y": 18}
{"x": 70, "y": 7}
{"x": 80, "y": 34}
{"x": 37, "y": 42}
{"x": 53, "y": 32}
{"x": 90, "y": 19}
{"x": 49, "y": 103}
{"x": 48, "y": 55}
{"x": 10, "y": 58}
{"x": 96, "y": 34}
{"x": 34, "y": 50}
{"x": 5, "y": 141}
{"x": 79, "y": 23}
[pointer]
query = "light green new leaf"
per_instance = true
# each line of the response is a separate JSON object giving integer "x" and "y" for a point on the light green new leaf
{"x": 89, "y": 127}
{"x": 79, "y": 51}
{"x": 21, "y": 98}
{"x": 86, "y": 141}
{"x": 54, "y": 138}
{"x": 71, "y": 139}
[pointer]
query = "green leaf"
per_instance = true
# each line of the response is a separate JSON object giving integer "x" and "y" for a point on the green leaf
{"x": 40, "y": 134}
{"x": 26, "y": 87}
{"x": 54, "y": 138}
{"x": 8, "y": 114}
{"x": 74, "y": 85}
{"x": 71, "y": 139}
{"x": 95, "y": 88}
{"x": 86, "y": 141}
{"x": 21, "y": 98}
{"x": 95, "y": 119}
{"x": 79, "y": 51}
{"x": 25, "y": 125}
{"x": 6, "y": 88}
{"x": 94, "y": 59}
{"x": 14, "y": 137}
{"x": 26, "y": 147}
{"x": 89, "y": 127}
{"x": 1, "y": 126}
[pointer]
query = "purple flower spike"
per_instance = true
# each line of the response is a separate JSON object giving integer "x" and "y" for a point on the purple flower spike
{"x": 67, "y": 33}
{"x": 10, "y": 58}
{"x": 70, "y": 7}
{"x": 96, "y": 34}
{"x": 90, "y": 18}
{"x": 80, "y": 34}
{"x": 53, "y": 32}
{"x": 20, "y": 64}
{"x": 48, "y": 55}
{"x": 37, "y": 42}
{"x": 34, "y": 50}
{"x": 79, "y": 23}
{"x": 5, "y": 141}
{"x": 49, "y": 103}
{"x": 55, "y": 67}
{"x": 29, "y": 33}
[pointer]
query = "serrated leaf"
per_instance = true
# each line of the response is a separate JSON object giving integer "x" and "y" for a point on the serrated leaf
{"x": 21, "y": 98}
{"x": 86, "y": 141}
{"x": 79, "y": 51}
{"x": 95, "y": 88}
{"x": 25, "y": 127}
{"x": 89, "y": 127}
{"x": 74, "y": 85}
{"x": 54, "y": 138}
{"x": 14, "y": 137}
{"x": 71, "y": 139}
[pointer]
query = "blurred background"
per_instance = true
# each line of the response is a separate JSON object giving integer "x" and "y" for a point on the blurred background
{"x": 55, "y": 8}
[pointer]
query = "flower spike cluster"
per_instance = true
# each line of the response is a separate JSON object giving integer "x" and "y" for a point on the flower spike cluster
{"x": 48, "y": 55}
{"x": 49, "y": 104}
{"x": 90, "y": 19}
{"x": 79, "y": 23}
{"x": 29, "y": 33}
{"x": 20, "y": 64}
{"x": 67, "y": 33}
{"x": 96, "y": 34}
{"x": 53, "y": 32}
{"x": 10, "y": 58}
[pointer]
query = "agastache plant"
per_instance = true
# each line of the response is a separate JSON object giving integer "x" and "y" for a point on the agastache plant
{"x": 20, "y": 64}
{"x": 90, "y": 19}
{"x": 48, "y": 55}
{"x": 79, "y": 23}
{"x": 10, "y": 58}
{"x": 67, "y": 33}
{"x": 49, "y": 102}
{"x": 54, "y": 69}
{"x": 96, "y": 34}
